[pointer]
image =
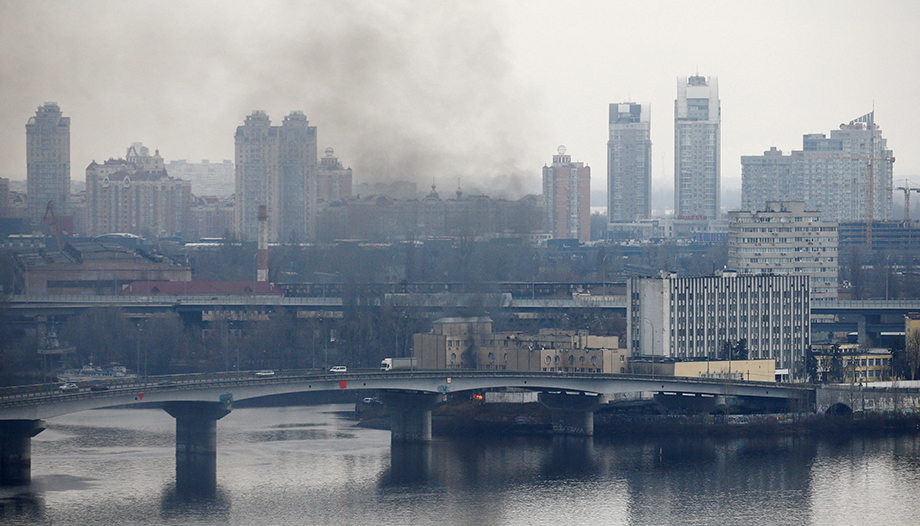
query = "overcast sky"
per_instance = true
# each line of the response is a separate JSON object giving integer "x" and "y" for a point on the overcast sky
{"x": 476, "y": 92}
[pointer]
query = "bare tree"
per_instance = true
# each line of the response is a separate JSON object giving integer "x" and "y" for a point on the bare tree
{"x": 912, "y": 353}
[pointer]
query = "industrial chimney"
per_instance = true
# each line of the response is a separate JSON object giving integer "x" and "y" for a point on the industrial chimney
{"x": 262, "y": 255}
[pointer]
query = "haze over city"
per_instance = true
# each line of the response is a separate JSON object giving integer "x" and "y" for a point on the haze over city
{"x": 480, "y": 92}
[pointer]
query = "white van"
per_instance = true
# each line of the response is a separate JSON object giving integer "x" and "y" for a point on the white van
{"x": 338, "y": 369}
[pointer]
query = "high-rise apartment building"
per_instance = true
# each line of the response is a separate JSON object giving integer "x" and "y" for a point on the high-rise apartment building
{"x": 276, "y": 167}
{"x": 785, "y": 239}
{"x": 629, "y": 163}
{"x": 692, "y": 318}
{"x": 697, "y": 148}
{"x": 135, "y": 195}
{"x": 844, "y": 177}
{"x": 333, "y": 181}
{"x": 567, "y": 198}
{"x": 47, "y": 162}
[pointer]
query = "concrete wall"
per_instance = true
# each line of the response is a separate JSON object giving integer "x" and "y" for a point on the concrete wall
{"x": 868, "y": 400}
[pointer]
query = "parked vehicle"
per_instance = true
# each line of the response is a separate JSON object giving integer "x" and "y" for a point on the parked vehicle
{"x": 392, "y": 364}
{"x": 338, "y": 369}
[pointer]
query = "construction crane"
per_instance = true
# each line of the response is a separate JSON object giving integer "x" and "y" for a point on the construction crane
{"x": 55, "y": 227}
{"x": 869, "y": 120}
{"x": 907, "y": 190}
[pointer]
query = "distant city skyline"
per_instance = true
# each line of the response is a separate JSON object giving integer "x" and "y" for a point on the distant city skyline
{"x": 465, "y": 91}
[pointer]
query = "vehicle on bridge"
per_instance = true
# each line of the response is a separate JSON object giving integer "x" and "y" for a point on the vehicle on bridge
{"x": 392, "y": 364}
{"x": 338, "y": 369}
{"x": 69, "y": 387}
{"x": 265, "y": 372}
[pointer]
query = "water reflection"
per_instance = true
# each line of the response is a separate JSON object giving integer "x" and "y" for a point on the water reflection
{"x": 410, "y": 465}
{"x": 21, "y": 505}
{"x": 571, "y": 456}
{"x": 202, "y": 506}
{"x": 313, "y": 468}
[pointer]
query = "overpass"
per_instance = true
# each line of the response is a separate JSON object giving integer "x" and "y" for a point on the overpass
{"x": 868, "y": 318}
{"x": 197, "y": 402}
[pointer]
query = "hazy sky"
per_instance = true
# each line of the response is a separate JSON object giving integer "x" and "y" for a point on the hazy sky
{"x": 480, "y": 92}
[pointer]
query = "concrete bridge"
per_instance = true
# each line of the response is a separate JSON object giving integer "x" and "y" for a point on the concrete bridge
{"x": 869, "y": 318}
{"x": 197, "y": 402}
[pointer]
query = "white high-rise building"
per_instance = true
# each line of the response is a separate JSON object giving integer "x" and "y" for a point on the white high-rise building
{"x": 629, "y": 163}
{"x": 276, "y": 167}
{"x": 844, "y": 177}
{"x": 697, "y": 148}
{"x": 47, "y": 162}
{"x": 785, "y": 239}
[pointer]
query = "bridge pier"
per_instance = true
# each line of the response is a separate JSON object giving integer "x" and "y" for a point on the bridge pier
{"x": 862, "y": 333}
{"x": 196, "y": 444}
{"x": 16, "y": 450}
{"x": 410, "y": 415}
{"x": 573, "y": 414}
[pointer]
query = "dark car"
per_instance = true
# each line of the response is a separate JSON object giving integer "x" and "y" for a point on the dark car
{"x": 99, "y": 388}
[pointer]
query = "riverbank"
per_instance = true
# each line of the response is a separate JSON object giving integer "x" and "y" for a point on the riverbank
{"x": 472, "y": 418}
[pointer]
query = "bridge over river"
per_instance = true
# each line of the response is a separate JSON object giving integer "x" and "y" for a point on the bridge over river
{"x": 197, "y": 402}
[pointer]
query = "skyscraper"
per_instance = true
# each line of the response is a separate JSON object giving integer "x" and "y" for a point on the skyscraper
{"x": 697, "y": 148}
{"x": 629, "y": 163}
{"x": 47, "y": 161}
{"x": 276, "y": 167}
{"x": 844, "y": 177}
{"x": 567, "y": 198}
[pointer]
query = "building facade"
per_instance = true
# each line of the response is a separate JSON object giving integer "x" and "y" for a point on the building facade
{"x": 469, "y": 343}
{"x": 691, "y": 318}
{"x": 207, "y": 178}
{"x": 276, "y": 167}
{"x": 786, "y": 239}
{"x": 333, "y": 181}
{"x": 629, "y": 163}
{"x": 47, "y": 162}
{"x": 567, "y": 198}
{"x": 697, "y": 148}
{"x": 135, "y": 195}
{"x": 847, "y": 177}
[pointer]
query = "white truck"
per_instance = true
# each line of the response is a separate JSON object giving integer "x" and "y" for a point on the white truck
{"x": 393, "y": 364}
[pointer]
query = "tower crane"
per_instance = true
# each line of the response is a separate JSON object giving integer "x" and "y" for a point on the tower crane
{"x": 55, "y": 227}
{"x": 869, "y": 120}
{"x": 907, "y": 190}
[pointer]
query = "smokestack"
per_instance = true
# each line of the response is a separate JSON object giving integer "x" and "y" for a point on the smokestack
{"x": 262, "y": 255}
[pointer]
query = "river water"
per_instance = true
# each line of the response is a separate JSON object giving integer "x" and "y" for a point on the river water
{"x": 309, "y": 465}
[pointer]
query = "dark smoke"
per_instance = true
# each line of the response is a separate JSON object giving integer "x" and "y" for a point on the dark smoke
{"x": 402, "y": 90}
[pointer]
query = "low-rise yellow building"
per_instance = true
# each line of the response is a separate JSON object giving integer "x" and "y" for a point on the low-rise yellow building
{"x": 752, "y": 370}
{"x": 469, "y": 343}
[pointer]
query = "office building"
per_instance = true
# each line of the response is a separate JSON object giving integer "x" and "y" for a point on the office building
{"x": 567, "y": 198}
{"x": 47, "y": 162}
{"x": 276, "y": 167}
{"x": 697, "y": 148}
{"x": 692, "y": 318}
{"x": 629, "y": 163}
{"x": 844, "y": 177}
{"x": 785, "y": 239}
